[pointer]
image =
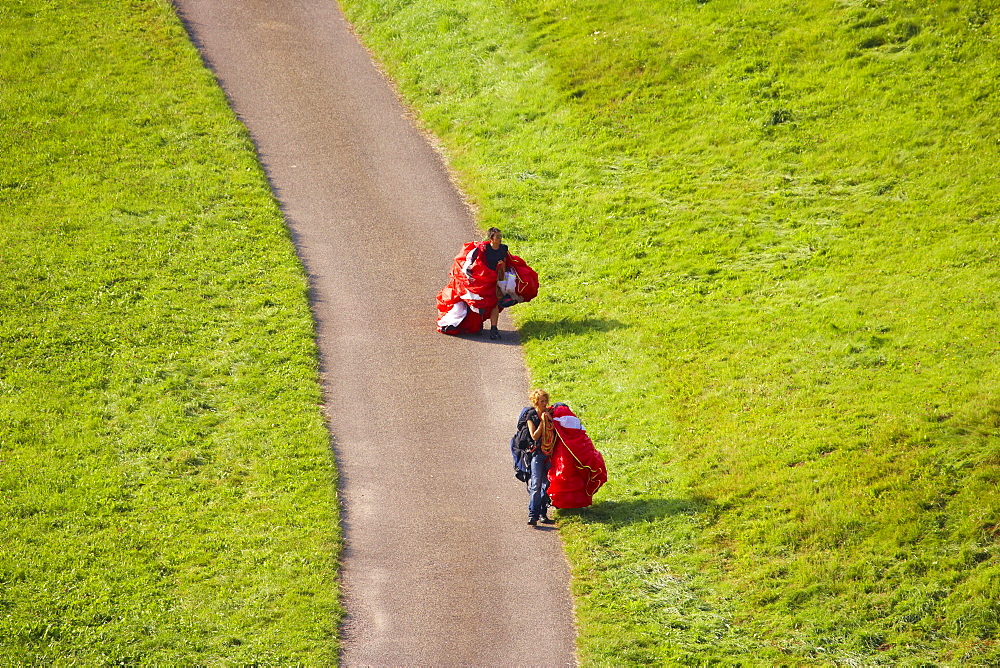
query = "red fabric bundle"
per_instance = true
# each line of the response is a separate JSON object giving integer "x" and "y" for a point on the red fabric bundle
{"x": 477, "y": 289}
{"x": 578, "y": 469}
{"x": 527, "y": 278}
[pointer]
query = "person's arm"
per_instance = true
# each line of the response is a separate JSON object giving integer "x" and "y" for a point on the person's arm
{"x": 536, "y": 429}
{"x": 502, "y": 268}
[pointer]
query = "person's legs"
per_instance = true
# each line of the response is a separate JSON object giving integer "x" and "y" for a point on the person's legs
{"x": 494, "y": 316}
{"x": 495, "y": 313}
{"x": 537, "y": 486}
{"x": 546, "y": 501}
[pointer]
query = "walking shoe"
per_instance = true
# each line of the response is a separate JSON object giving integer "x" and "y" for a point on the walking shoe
{"x": 494, "y": 334}
{"x": 533, "y": 522}
{"x": 547, "y": 520}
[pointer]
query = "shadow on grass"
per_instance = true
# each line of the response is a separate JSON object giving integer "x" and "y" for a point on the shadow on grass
{"x": 641, "y": 510}
{"x": 546, "y": 329}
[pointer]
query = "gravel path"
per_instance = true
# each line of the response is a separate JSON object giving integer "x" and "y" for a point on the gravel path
{"x": 439, "y": 567}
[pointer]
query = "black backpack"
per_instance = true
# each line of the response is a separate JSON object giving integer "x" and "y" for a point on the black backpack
{"x": 522, "y": 447}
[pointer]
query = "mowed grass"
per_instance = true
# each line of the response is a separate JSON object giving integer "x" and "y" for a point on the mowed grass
{"x": 167, "y": 490}
{"x": 767, "y": 234}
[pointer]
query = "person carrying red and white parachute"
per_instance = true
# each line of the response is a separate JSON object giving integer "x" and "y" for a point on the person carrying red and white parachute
{"x": 555, "y": 458}
{"x": 485, "y": 279}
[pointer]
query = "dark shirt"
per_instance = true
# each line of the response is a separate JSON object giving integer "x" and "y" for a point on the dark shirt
{"x": 494, "y": 256}
{"x": 535, "y": 420}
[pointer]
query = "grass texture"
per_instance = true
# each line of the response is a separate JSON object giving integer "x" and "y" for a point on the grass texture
{"x": 167, "y": 490}
{"x": 767, "y": 238}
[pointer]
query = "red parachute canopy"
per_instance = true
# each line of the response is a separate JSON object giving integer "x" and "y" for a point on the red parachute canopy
{"x": 477, "y": 290}
{"x": 578, "y": 469}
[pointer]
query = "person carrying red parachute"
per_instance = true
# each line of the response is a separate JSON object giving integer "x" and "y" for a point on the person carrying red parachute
{"x": 555, "y": 458}
{"x": 485, "y": 279}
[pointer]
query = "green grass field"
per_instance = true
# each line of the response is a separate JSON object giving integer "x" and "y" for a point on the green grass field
{"x": 167, "y": 490}
{"x": 767, "y": 236}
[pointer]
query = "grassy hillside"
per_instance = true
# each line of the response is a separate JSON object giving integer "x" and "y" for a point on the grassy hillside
{"x": 167, "y": 493}
{"x": 768, "y": 239}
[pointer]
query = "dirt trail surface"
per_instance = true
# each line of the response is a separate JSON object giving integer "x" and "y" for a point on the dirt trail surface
{"x": 440, "y": 567}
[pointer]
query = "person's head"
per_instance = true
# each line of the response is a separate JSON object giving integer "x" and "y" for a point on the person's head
{"x": 539, "y": 399}
{"x": 493, "y": 235}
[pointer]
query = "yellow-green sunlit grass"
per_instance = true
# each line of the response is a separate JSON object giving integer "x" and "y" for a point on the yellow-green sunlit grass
{"x": 767, "y": 238}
